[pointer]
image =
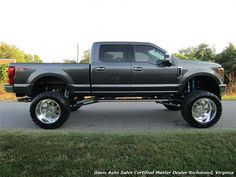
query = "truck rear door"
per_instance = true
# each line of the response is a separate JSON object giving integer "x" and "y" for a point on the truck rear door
{"x": 111, "y": 69}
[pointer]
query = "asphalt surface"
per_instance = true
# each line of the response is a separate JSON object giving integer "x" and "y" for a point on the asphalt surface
{"x": 127, "y": 117}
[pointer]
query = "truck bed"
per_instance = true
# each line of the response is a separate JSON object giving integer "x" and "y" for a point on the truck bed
{"x": 76, "y": 76}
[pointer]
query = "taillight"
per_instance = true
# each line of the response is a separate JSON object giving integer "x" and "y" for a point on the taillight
{"x": 221, "y": 72}
{"x": 11, "y": 74}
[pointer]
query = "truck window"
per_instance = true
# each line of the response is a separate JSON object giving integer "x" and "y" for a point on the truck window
{"x": 145, "y": 53}
{"x": 113, "y": 53}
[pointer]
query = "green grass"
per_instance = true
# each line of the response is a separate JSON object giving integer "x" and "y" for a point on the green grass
{"x": 80, "y": 154}
{"x": 229, "y": 97}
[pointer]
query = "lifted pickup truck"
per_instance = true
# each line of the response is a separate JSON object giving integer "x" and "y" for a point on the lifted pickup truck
{"x": 120, "y": 71}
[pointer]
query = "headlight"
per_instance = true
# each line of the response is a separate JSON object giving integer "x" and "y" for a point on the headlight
{"x": 221, "y": 72}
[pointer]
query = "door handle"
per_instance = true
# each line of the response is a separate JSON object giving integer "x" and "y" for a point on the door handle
{"x": 137, "y": 68}
{"x": 100, "y": 68}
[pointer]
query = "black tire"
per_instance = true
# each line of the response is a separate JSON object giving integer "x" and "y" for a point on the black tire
{"x": 63, "y": 105}
{"x": 172, "y": 107}
{"x": 191, "y": 99}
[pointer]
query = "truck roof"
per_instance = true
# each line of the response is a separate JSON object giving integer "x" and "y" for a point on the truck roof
{"x": 129, "y": 43}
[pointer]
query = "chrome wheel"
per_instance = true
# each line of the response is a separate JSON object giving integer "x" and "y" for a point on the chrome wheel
{"x": 48, "y": 111}
{"x": 204, "y": 110}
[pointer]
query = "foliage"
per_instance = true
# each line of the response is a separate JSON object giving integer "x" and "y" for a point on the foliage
{"x": 12, "y": 52}
{"x": 6, "y": 96}
{"x": 227, "y": 58}
{"x": 185, "y": 54}
{"x": 229, "y": 97}
{"x": 3, "y": 72}
{"x": 86, "y": 57}
{"x": 201, "y": 52}
{"x": 80, "y": 154}
{"x": 69, "y": 61}
{"x": 205, "y": 53}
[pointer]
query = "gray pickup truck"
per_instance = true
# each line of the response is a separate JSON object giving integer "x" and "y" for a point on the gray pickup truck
{"x": 120, "y": 71}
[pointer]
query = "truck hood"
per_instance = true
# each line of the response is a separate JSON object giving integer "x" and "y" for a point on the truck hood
{"x": 197, "y": 64}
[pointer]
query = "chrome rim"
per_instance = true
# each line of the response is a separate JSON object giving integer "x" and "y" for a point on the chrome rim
{"x": 204, "y": 110}
{"x": 48, "y": 111}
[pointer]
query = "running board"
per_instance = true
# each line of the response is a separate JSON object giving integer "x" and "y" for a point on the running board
{"x": 85, "y": 102}
{"x": 92, "y": 101}
{"x": 25, "y": 99}
{"x": 135, "y": 100}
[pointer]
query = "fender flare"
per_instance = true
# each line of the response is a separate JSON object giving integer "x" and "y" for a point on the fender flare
{"x": 36, "y": 77}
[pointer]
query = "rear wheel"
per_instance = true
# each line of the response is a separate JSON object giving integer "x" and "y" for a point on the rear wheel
{"x": 49, "y": 110}
{"x": 201, "y": 109}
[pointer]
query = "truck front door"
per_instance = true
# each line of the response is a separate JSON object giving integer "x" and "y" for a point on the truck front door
{"x": 150, "y": 75}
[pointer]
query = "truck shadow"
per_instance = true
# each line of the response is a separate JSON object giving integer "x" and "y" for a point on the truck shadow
{"x": 125, "y": 117}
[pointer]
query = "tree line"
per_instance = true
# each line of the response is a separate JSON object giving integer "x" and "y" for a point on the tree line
{"x": 12, "y": 52}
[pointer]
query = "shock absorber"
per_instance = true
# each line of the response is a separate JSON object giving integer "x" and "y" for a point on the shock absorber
{"x": 189, "y": 89}
{"x": 191, "y": 86}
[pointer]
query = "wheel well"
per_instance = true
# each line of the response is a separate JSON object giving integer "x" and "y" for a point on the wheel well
{"x": 203, "y": 83}
{"x": 47, "y": 83}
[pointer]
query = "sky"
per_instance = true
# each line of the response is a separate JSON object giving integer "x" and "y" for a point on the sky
{"x": 53, "y": 28}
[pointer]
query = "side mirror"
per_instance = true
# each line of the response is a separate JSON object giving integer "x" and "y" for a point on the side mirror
{"x": 167, "y": 60}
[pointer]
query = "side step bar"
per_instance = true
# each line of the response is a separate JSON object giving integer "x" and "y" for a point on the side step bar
{"x": 25, "y": 99}
{"x": 92, "y": 101}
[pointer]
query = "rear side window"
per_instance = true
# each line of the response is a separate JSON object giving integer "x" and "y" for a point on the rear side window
{"x": 113, "y": 53}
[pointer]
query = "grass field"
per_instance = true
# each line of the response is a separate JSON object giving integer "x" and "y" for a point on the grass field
{"x": 81, "y": 154}
{"x": 4, "y": 95}
{"x": 229, "y": 97}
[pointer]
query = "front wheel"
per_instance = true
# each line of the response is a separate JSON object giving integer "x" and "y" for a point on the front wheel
{"x": 201, "y": 109}
{"x": 49, "y": 110}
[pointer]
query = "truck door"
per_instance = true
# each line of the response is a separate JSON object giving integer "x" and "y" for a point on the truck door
{"x": 111, "y": 69}
{"x": 150, "y": 75}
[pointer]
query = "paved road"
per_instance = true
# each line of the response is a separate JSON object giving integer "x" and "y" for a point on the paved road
{"x": 113, "y": 117}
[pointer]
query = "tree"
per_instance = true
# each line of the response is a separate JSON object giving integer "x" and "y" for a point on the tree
{"x": 37, "y": 59}
{"x": 69, "y": 61}
{"x": 205, "y": 53}
{"x": 12, "y": 52}
{"x": 86, "y": 57}
{"x": 201, "y": 52}
{"x": 185, "y": 54}
{"x": 227, "y": 58}
{"x": 3, "y": 73}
